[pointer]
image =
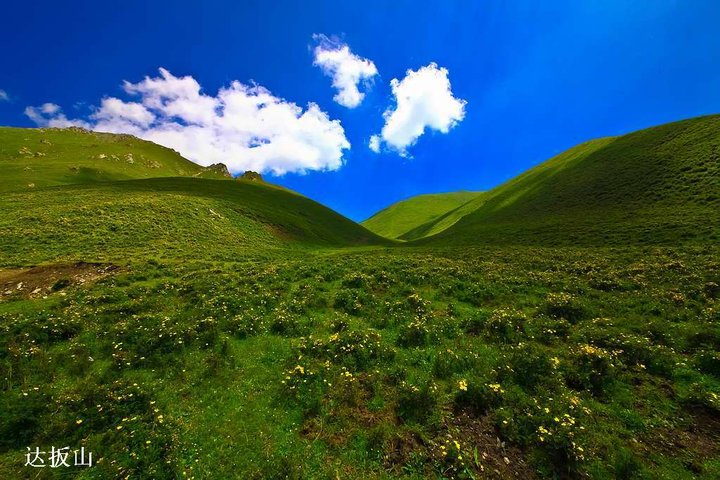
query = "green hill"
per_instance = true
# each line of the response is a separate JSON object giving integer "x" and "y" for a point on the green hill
{"x": 402, "y": 218}
{"x": 92, "y": 197}
{"x": 145, "y": 319}
{"x": 655, "y": 186}
{"x": 40, "y": 157}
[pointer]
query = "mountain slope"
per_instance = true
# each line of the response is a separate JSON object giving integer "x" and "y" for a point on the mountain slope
{"x": 399, "y": 219}
{"x": 40, "y": 157}
{"x": 75, "y": 195}
{"x": 165, "y": 218}
{"x": 654, "y": 186}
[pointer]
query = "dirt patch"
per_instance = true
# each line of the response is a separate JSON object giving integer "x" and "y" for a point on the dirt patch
{"x": 695, "y": 442}
{"x": 498, "y": 460}
{"x": 40, "y": 281}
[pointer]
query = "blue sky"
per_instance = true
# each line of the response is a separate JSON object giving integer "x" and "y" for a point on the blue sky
{"x": 537, "y": 77}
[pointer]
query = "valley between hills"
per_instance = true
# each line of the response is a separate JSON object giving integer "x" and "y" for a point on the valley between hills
{"x": 182, "y": 323}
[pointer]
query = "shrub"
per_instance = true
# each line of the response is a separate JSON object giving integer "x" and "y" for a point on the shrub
{"x": 445, "y": 363}
{"x": 701, "y": 394}
{"x": 549, "y": 329}
{"x": 592, "y": 368}
{"x": 505, "y": 325}
{"x": 356, "y": 280}
{"x": 564, "y": 305}
{"x": 475, "y": 324}
{"x": 339, "y": 323}
{"x": 351, "y": 301}
{"x": 306, "y": 387}
{"x": 416, "y": 404}
{"x": 354, "y": 350}
{"x": 245, "y": 325}
{"x": 418, "y": 305}
{"x": 478, "y": 397}
{"x": 285, "y": 323}
{"x": 532, "y": 367}
{"x": 414, "y": 334}
{"x": 708, "y": 362}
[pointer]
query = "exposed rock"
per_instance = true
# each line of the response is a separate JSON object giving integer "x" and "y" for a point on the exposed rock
{"x": 252, "y": 176}
{"x": 77, "y": 129}
{"x": 219, "y": 168}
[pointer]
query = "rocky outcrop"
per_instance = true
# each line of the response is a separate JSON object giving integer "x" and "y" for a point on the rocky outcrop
{"x": 252, "y": 176}
{"x": 219, "y": 168}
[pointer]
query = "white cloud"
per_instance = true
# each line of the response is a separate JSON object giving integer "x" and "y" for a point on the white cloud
{"x": 374, "y": 143}
{"x": 346, "y": 69}
{"x": 423, "y": 100}
{"x": 51, "y": 115}
{"x": 243, "y": 126}
{"x": 4, "y": 96}
{"x": 115, "y": 110}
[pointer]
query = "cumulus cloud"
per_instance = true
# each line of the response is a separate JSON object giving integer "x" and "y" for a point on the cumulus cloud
{"x": 51, "y": 115}
{"x": 244, "y": 126}
{"x": 423, "y": 100}
{"x": 374, "y": 143}
{"x": 346, "y": 69}
{"x": 4, "y": 96}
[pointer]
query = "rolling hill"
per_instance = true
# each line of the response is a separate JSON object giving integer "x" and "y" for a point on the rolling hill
{"x": 41, "y": 157}
{"x": 660, "y": 185}
{"x": 81, "y": 207}
{"x": 145, "y": 318}
{"x": 399, "y": 220}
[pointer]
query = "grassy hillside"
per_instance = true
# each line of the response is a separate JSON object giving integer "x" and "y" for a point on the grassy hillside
{"x": 659, "y": 185}
{"x": 40, "y": 157}
{"x": 406, "y": 363}
{"x": 72, "y": 194}
{"x": 165, "y": 217}
{"x": 399, "y": 219}
{"x": 196, "y": 328}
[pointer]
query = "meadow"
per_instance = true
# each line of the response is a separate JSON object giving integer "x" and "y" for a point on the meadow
{"x": 178, "y": 323}
{"x": 373, "y": 363}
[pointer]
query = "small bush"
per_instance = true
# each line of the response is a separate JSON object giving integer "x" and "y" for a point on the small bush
{"x": 446, "y": 363}
{"x": 506, "y": 325}
{"x": 414, "y": 334}
{"x": 709, "y": 362}
{"x": 564, "y": 305}
{"x": 478, "y": 397}
{"x": 532, "y": 367}
{"x": 351, "y": 301}
{"x": 592, "y": 368}
{"x": 416, "y": 404}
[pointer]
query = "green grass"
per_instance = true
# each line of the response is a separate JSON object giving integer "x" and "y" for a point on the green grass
{"x": 235, "y": 329}
{"x": 364, "y": 365}
{"x": 32, "y": 158}
{"x": 660, "y": 185}
{"x": 400, "y": 219}
{"x": 165, "y": 218}
{"x": 656, "y": 186}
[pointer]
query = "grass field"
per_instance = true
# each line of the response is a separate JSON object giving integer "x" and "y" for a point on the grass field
{"x": 401, "y": 220}
{"x": 32, "y": 158}
{"x": 660, "y": 185}
{"x": 183, "y": 327}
